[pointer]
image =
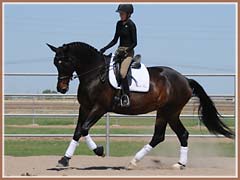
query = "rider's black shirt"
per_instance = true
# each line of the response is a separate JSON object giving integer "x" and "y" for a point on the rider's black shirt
{"x": 127, "y": 33}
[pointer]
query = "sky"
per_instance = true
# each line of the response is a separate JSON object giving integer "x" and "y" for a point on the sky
{"x": 191, "y": 38}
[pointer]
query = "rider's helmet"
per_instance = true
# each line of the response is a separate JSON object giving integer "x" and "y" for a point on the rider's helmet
{"x": 128, "y": 8}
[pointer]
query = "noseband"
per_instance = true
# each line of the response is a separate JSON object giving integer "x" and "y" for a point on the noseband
{"x": 65, "y": 77}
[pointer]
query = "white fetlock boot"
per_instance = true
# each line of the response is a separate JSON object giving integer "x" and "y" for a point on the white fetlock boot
{"x": 139, "y": 156}
{"x": 178, "y": 166}
{"x": 182, "y": 160}
{"x": 132, "y": 164}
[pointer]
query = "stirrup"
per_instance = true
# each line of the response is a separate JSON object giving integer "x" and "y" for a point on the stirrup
{"x": 125, "y": 104}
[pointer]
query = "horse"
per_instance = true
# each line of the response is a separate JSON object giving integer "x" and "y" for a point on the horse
{"x": 169, "y": 92}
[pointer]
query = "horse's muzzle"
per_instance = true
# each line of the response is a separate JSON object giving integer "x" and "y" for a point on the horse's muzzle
{"x": 62, "y": 87}
{"x": 62, "y": 90}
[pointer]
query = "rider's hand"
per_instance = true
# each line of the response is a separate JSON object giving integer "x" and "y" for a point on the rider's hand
{"x": 122, "y": 54}
{"x": 102, "y": 50}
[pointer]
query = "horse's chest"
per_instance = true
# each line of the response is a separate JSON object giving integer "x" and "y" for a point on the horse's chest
{"x": 87, "y": 96}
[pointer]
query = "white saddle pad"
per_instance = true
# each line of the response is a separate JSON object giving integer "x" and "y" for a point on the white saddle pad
{"x": 140, "y": 83}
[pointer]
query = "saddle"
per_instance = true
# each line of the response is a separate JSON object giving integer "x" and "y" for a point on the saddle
{"x": 135, "y": 64}
{"x": 138, "y": 78}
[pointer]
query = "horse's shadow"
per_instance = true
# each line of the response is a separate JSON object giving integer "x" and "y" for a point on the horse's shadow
{"x": 89, "y": 168}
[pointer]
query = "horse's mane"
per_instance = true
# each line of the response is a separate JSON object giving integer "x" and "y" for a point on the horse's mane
{"x": 81, "y": 45}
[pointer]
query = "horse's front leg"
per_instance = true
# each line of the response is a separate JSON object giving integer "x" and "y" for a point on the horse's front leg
{"x": 90, "y": 118}
{"x": 64, "y": 161}
{"x": 93, "y": 117}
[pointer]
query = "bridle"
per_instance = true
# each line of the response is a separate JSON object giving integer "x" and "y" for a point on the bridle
{"x": 74, "y": 76}
{"x": 62, "y": 58}
{"x": 60, "y": 78}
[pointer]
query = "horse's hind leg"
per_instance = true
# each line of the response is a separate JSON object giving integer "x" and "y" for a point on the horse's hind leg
{"x": 158, "y": 136}
{"x": 182, "y": 134}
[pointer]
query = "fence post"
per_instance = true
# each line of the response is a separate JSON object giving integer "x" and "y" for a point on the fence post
{"x": 33, "y": 110}
{"x": 107, "y": 135}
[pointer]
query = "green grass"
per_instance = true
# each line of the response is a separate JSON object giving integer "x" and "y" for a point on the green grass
{"x": 30, "y": 147}
{"x": 39, "y": 121}
{"x": 126, "y": 148}
{"x": 48, "y": 130}
{"x": 133, "y": 121}
{"x": 145, "y": 123}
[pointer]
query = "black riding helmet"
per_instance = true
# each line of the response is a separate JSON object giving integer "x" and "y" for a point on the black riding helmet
{"x": 128, "y": 8}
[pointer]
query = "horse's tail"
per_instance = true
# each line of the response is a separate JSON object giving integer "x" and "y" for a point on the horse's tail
{"x": 208, "y": 113}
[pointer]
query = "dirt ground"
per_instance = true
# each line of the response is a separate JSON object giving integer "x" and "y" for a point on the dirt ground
{"x": 115, "y": 166}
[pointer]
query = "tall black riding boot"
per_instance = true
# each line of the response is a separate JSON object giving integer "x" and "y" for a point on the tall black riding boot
{"x": 125, "y": 102}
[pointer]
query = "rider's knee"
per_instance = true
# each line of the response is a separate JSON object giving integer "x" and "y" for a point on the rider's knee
{"x": 125, "y": 66}
{"x": 123, "y": 72}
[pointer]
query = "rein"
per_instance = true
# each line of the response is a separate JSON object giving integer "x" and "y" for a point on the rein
{"x": 72, "y": 77}
{"x": 85, "y": 73}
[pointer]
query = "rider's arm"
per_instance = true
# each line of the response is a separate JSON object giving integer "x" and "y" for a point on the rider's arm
{"x": 115, "y": 39}
{"x": 134, "y": 37}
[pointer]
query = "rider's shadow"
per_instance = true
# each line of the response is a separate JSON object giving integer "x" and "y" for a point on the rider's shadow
{"x": 89, "y": 168}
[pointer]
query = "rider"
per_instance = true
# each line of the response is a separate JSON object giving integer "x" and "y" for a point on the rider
{"x": 126, "y": 31}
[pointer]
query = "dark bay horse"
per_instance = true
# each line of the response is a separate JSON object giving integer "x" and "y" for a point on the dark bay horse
{"x": 168, "y": 94}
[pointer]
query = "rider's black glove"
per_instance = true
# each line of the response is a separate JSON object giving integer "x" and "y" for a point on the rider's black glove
{"x": 122, "y": 54}
{"x": 102, "y": 50}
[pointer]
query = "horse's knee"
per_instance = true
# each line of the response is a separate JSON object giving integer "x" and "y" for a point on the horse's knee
{"x": 77, "y": 135}
{"x": 184, "y": 138}
{"x": 156, "y": 140}
{"x": 84, "y": 131}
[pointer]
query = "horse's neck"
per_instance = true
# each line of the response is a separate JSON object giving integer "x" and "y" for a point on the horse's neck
{"x": 89, "y": 66}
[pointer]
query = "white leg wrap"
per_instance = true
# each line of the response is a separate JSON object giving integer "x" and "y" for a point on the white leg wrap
{"x": 144, "y": 151}
{"x": 183, "y": 155}
{"x": 71, "y": 148}
{"x": 90, "y": 143}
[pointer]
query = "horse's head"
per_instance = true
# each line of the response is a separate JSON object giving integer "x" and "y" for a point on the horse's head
{"x": 65, "y": 67}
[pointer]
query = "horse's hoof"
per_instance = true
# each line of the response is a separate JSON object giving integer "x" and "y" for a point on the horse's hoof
{"x": 178, "y": 166}
{"x": 132, "y": 165}
{"x": 63, "y": 162}
{"x": 99, "y": 151}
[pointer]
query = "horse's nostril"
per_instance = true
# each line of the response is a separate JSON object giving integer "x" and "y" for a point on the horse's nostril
{"x": 62, "y": 90}
{"x": 65, "y": 88}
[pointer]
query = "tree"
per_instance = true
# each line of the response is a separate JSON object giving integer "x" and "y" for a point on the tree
{"x": 49, "y": 91}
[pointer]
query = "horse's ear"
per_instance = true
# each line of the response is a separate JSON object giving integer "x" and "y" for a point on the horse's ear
{"x": 54, "y": 49}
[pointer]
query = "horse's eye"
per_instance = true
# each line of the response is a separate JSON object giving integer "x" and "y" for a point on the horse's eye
{"x": 60, "y": 62}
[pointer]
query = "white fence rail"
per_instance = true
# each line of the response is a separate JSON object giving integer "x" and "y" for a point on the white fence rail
{"x": 110, "y": 115}
{"x": 103, "y": 135}
{"x": 187, "y": 74}
{"x": 74, "y": 95}
{"x": 107, "y": 135}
